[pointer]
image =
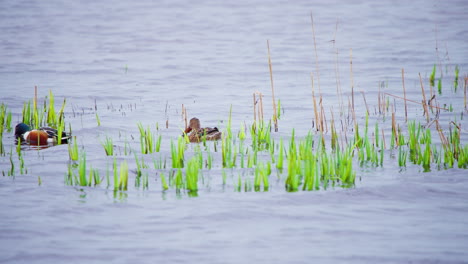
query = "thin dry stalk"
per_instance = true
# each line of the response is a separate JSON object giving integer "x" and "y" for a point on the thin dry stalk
{"x": 424, "y": 99}
{"x": 383, "y": 138}
{"x": 465, "y": 88}
{"x": 35, "y": 98}
{"x": 254, "y": 108}
{"x": 337, "y": 71}
{"x": 404, "y": 93}
{"x": 260, "y": 110}
{"x": 275, "y": 118}
{"x": 352, "y": 80}
{"x": 365, "y": 102}
{"x": 317, "y": 120}
{"x": 432, "y": 106}
{"x": 184, "y": 115}
{"x": 394, "y": 128}
{"x": 316, "y": 56}
{"x": 323, "y": 118}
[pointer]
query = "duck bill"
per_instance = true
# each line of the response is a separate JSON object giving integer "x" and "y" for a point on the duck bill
{"x": 187, "y": 130}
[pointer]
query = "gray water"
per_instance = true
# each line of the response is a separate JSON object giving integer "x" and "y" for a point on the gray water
{"x": 139, "y": 61}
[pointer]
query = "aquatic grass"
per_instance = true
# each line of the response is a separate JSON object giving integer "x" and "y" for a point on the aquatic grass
{"x": 455, "y": 81}
{"x": 261, "y": 174}
{"x": 402, "y": 157}
{"x": 123, "y": 179}
{"x": 146, "y": 139}
{"x": 73, "y": 150}
{"x": 177, "y": 153}
{"x": 191, "y": 174}
{"x": 432, "y": 76}
{"x": 280, "y": 159}
{"x": 98, "y": 120}
{"x": 164, "y": 184}
{"x": 82, "y": 170}
{"x": 108, "y": 146}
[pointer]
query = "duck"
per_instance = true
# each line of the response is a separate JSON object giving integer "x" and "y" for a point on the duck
{"x": 196, "y": 134}
{"x": 42, "y": 136}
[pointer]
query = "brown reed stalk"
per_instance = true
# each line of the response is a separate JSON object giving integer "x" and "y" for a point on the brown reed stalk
{"x": 184, "y": 115}
{"x": 352, "y": 80}
{"x": 317, "y": 120}
{"x": 443, "y": 139}
{"x": 316, "y": 54}
{"x": 365, "y": 102}
{"x": 337, "y": 71}
{"x": 412, "y": 101}
{"x": 404, "y": 93}
{"x": 323, "y": 117}
{"x": 35, "y": 98}
{"x": 383, "y": 138}
{"x": 260, "y": 113}
{"x": 394, "y": 128}
{"x": 465, "y": 88}
{"x": 424, "y": 98}
{"x": 275, "y": 118}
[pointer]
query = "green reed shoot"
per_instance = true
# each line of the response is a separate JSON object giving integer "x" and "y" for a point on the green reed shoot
{"x": 82, "y": 170}
{"x": 402, "y": 157}
{"x": 51, "y": 116}
{"x": 158, "y": 144}
{"x": 455, "y": 81}
{"x": 164, "y": 185}
{"x": 432, "y": 76}
{"x": 439, "y": 86}
{"x": 177, "y": 153}
{"x": 108, "y": 146}
{"x": 98, "y": 120}
{"x": 147, "y": 141}
{"x": 123, "y": 179}
{"x": 73, "y": 150}
{"x": 279, "y": 160}
{"x": 179, "y": 182}
{"x": 278, "y": 110}
{"x": 191, "y": 174}
{"x": 426, "y": 158}
{"x": 241, "y": 134}
{"x": 116, "y": 175}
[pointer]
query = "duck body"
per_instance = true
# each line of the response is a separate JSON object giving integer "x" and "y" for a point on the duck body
{"x": 42, "y": 136}
{"x": 196, "y": 134}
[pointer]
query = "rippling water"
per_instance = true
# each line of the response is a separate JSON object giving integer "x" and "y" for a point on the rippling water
{"x": 141, "y": 60}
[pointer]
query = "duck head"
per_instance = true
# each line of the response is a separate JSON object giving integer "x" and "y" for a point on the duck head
{"x": 194, "y": 124}
{"x": 20, "y": 129}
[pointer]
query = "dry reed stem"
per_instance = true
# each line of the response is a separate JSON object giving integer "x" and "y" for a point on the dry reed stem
{"x": 404, "y": 93}
{"x": 317, "y": 121}
{"x": 432, "y": 106}
{"x": 316, "y": 56}
{"x": 352, "y": 81}
{"x": 184, "y": 115}
{"x": 275, "y": 118}
{"x": 394, "y": 128}
{"x": 260, "y": 113}
{"x": 337, "y": 71}
{"x": 323, "y": 118}
{"x": 383, "y": 139}
{"x": 254, "y": 108}
{"x": 35, "y": 98}
{"x": 424, "y": 98}
{"x": 443, "y": 139}
{"x": 365, "y": 102}
{"x": 466, "y": 84}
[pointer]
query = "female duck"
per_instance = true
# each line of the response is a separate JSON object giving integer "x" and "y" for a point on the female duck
{"x": 42, "y": 136}
{"x": 196, "y": 134}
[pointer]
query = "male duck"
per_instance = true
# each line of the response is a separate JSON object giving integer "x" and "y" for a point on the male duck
{"x": 196, "y": 134}
{"x": 42, "y": 136}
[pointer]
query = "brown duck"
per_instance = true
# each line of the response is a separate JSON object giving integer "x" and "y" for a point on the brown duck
{"x": 196, "y": 134}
